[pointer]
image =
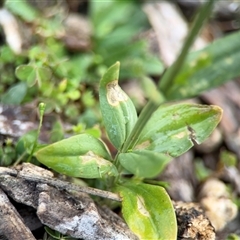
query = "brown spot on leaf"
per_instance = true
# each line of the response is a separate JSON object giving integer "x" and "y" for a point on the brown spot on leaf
{"x": 115, "y": 93}
{"x": 142, "y": 145}
{"x": 192, "y": 134}
{"x": 141, "y": 206}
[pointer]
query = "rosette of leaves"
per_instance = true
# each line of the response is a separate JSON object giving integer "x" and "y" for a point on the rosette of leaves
{"x": 171, "y": 130}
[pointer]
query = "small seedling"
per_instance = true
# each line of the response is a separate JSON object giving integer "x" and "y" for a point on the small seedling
{"x": 165, "y": 135}
{"x": 144, "y": 143}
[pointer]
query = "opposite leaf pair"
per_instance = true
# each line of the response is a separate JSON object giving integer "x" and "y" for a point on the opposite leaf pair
{"x": 170, "y": 132}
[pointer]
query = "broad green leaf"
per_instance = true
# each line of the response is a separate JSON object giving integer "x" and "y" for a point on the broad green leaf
{"x": 43, "y": 74}
{"x": 144, "y": 163}
{"x": 150, "y": 90}
{"x": 26, "y": 73}
{"x": 7, "y": 55}
{"x": 173, "y": 129}
{"x": 95, "y": 132}
{"x": 15, "y": 94}
{"x": 113, "y": 34}
{"x": 57, "y": 132}
{"x": 32, "y": 74}
{"x": 153, "y": 66}
{"x": 118, "y": 112}
{"x": 22, "y": 9}
{"x": 233, "y": 236}
{"x": 148, "y": 211}
{"x": 78, "y": 156}
{"x": 108, "y": 20}
{"x": 26, "y": 142}
{"x": 207, "y": 68}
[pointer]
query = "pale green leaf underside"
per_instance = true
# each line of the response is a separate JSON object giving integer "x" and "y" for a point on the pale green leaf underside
{"x": 148, "y": 211}
{"x": 144, "y": 163}
{"x": 207, "y": 68}
{"x": 78, "y": 156}
{"x": 173, "y": 129}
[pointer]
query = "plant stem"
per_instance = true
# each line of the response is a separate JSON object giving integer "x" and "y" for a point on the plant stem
{"x": 169, "y": 76}
{"x": 41, "y": 108}
{"x": 143, "y": 119}
{"x": 166, "y": 80}
{"x": 130, "y": 142}
{"x": 20, "y": 159}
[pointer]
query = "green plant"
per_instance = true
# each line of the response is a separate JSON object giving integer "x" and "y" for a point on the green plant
{"x": 47, "y": 69}
{"x": 233, "y": 237}
{"x": 170, "y": 131}
{"x": 7, "y": 153}
{"x": 54, "y": 235}
{"x": 115, "y": 38}
{"x": 8, "y": 63}
{"x": 145, "y": 144}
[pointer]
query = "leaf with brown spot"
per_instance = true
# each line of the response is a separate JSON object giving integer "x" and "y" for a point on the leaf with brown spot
{"x": 173, "y": 129}
{"x": 118, "y": 112}
{"x": 148, "y": 211}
